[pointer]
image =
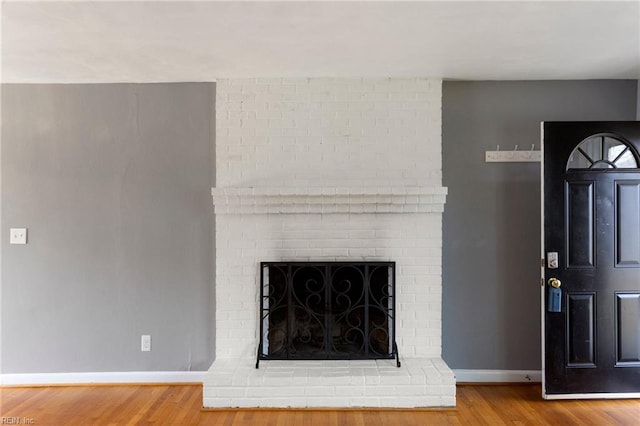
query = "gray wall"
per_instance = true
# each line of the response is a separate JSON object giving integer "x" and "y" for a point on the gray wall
{"x": 113, "y": 183}
{"x": 491, "y": 252}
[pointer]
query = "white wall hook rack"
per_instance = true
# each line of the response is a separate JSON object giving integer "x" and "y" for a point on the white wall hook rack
{"x": 512, "y": 156}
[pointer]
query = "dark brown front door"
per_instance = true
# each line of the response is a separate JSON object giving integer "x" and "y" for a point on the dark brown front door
{"x": 592, "y": 224}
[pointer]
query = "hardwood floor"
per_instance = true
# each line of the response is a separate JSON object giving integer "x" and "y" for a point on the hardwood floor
{"x": 181, "y": 405}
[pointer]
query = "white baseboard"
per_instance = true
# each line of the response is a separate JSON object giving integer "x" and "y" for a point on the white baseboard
{"x": 32, "y": 379}
{"x": 498, "y": 376}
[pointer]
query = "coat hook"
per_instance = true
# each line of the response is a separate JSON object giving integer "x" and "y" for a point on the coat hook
{"x": 530, "y": 153}
{"x": 513, "y": 154}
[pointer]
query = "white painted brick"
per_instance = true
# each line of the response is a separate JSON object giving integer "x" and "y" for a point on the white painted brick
{"x": 335, "y": 252}
{"x": 380, "y": 390}
{"x": 337, "y": 98}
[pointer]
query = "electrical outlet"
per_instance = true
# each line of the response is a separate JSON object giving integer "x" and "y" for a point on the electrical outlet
{"x": 18, "y": 236}
{"x": 145, "y": 343}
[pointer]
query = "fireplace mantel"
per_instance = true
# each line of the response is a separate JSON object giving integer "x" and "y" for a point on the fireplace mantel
{"x": 259, "y": 200}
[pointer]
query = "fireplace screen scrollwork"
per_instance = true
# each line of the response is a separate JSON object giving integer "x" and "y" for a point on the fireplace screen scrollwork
{"x": 327, "y": 310}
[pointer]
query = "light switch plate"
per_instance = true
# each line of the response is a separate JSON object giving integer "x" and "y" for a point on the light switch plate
{"x": 145, "y": 343}
{"x": 18, "y": 236}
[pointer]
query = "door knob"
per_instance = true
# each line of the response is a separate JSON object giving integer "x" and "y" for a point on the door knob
{"x": 554, "y": 282}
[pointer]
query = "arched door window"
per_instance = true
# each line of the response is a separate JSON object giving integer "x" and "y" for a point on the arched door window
{"x": 603, "y": 152}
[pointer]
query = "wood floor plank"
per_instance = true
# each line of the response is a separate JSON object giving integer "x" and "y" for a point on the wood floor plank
{"x": 480, "y": 409}
{"x": 182, "y": 405}
{"x": 526, "y": 414}
{"x": 505, "y": 405}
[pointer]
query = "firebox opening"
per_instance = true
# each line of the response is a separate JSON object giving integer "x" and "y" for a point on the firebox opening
{"x": 327, "y": 310}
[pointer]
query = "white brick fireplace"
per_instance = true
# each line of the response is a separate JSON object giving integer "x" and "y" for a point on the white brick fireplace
{"x": 324, "y": 170}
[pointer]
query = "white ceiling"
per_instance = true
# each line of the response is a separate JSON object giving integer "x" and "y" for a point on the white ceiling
{"x": 80, "y": 42}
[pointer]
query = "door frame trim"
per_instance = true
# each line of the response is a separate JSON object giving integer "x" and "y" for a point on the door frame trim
{"x": 590, "y": 395}
{"x": 543, "y": 258}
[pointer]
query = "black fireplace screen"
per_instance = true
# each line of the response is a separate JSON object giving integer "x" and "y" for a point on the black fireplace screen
{"x": 327, "y": 310}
